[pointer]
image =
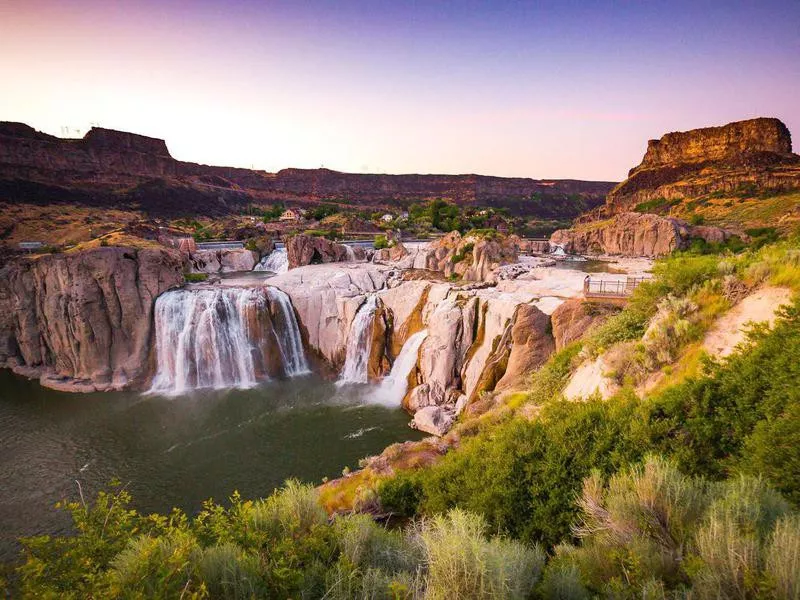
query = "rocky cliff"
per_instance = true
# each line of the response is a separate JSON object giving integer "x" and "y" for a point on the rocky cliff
{"x": 112, "y": 168}
{"x": 83, "y": 321}
{"x": 713, "y": 160}
{"x": 477, "y": 338}
{"x": 634, "y": 234}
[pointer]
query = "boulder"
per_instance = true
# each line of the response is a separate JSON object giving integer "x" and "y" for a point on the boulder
{"x": 393, "y": 254}
{"x": 83, "y": 321}
{"x": 576, "y": 317}
{"x": 434, "y": 420}
{"x": 226, "y": 260}
{"x": 311, "y": 250}
{"x": 531, "y": 345}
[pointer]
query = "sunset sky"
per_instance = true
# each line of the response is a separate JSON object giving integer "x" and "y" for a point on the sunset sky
{"x": 534, "y": 89}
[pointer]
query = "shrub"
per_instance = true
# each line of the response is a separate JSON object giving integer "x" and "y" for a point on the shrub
{"x": 729, "y": 542}
{"x": 195, "y": 277}
{"x": 380, "y": 242}
{"x": 463, "y": 563}
{"x": 782, "y": 563}
{"x": 672, "y": 326}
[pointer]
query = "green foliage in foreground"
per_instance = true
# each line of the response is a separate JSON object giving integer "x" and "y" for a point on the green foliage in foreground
{"x": 280, "y": 547}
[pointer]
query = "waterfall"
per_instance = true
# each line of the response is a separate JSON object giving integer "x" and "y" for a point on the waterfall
{"x": 276, "y": 261}
{"x": 351, "y": 254}
{"x": 395, "y": 385}
{"x": 359, "y": 343}
{"x": 218, "y": 338}
{"x": 290, "y": 342}
{"x": 558, "y": 250}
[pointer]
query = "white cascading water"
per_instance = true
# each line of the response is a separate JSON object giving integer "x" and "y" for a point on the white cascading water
{"x": 359, "y": 342}
{"x": 395, "y": 385}
{"x": 291, "y": 343}
{"x": 276, "y": 261}
{"x": 205, "y": 338}
{"x": 351, "y": 254}
{"x": 558, "y": 250}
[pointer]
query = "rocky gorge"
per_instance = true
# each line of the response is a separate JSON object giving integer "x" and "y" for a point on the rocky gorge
{"x": 123, "y": 318}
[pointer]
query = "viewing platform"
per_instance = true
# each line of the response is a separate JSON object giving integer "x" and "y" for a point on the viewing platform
{"x": 610, "y": 289}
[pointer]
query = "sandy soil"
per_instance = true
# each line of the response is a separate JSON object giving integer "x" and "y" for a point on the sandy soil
{"x": 729, "y": 330}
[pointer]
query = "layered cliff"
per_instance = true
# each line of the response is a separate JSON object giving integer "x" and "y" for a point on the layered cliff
{"x": 83, "y": 321}
{"x": 112, "y": 168}
{"x": 756, "y": 153}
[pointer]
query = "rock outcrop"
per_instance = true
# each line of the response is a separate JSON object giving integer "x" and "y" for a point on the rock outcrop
{"x": 531, "y": 345}
{"x": 222, "y": 261}
{"x": 635, "y": 234}
{"x": 626, "y": 234}
{"x": 115, "y": 169}
{"x": 311, "y": 250}
{"x": 83, "y": 321}
{"x": 470, "y": 258}
{"x": 756, "y": 153}
{"x": 575, "y": 318}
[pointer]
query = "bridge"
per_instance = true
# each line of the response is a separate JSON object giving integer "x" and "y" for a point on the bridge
{"x": 598, "y": 288}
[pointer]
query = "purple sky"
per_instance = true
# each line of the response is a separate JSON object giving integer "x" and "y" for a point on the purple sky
{"x": 545, "y": 89}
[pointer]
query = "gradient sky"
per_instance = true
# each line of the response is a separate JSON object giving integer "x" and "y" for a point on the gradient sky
{"x": 534, "y": 89}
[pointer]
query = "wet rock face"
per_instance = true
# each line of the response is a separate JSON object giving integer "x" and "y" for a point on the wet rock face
{"x": 309, "y": 250}
{"x": 84, "y": 321}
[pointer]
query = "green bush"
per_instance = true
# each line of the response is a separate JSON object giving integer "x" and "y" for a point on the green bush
{"x": 463, "y": 563}
{"x": 651, "y": 531}
{"x": 195, "y": 277}
{"x": 380, "y": 242}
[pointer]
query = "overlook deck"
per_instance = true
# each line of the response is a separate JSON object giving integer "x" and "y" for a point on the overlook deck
{"x": 610, "y": 288}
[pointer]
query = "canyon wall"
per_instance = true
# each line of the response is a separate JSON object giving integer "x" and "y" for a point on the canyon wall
{"x": 112, "y": 168}
{"x": 753, "y": 153}
{"x": 83, "y": 321}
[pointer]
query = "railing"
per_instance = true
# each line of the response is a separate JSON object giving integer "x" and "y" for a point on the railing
{"x": 616, "y": 288}
{"x": 220, "y": 245}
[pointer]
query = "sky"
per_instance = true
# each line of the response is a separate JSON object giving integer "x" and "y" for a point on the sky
{"x": 530, "y": 89}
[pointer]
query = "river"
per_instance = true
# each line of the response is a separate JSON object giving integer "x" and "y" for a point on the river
{"x": 176, "y": 451}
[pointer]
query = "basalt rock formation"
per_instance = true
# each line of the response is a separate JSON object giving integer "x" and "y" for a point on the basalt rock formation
{"x": 634, "y": 234}
{"x": 470, "y": 258}
{"x": 114, "y": 168}
{"x": 223, "y": 261}
{"x": 755, "y": 153}
{"x": 83, "y": 321}
{"x": 310, "y": 250}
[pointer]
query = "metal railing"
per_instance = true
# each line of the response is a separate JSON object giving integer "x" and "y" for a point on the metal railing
{"x": 618, "y": 288}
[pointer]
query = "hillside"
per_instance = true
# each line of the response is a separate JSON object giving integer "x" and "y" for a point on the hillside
{"x": 122, "y": 170}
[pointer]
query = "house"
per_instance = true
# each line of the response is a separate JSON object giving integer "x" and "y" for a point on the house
{"x": 289, "y": 215}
